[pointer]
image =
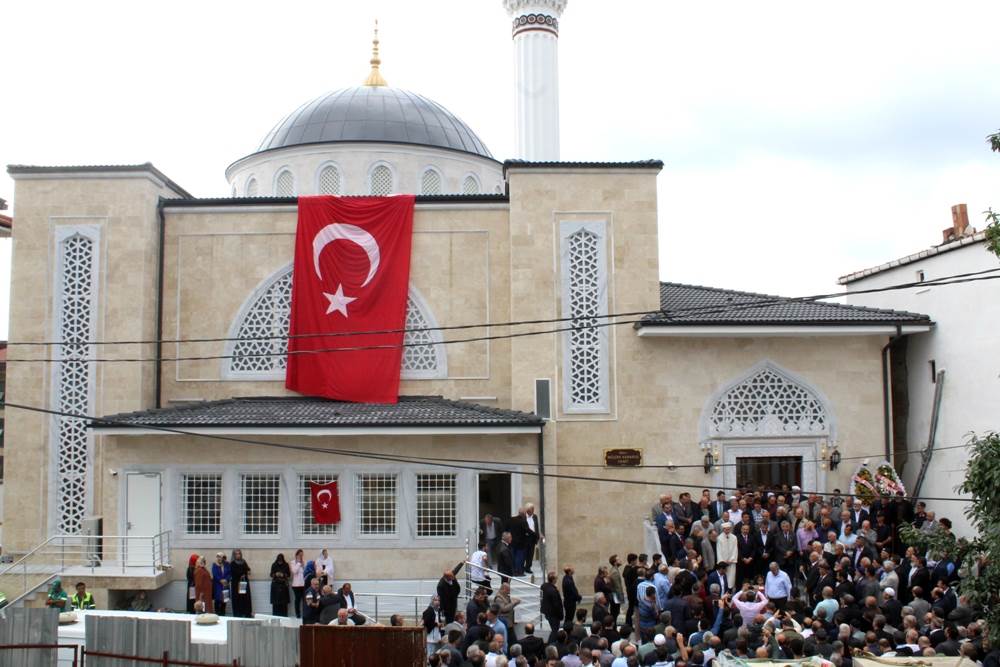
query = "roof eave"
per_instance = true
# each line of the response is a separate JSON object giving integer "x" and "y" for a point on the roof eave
{"x": 37, "y": 171}
{"x": 778, "y": 330}
{"x": 325, "y": 430}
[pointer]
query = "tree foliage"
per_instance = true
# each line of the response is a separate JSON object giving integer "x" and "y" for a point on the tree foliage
{"x": 979, "y": 557}
{"x": 993, "y": 218}
{"x": 994, "y": 140}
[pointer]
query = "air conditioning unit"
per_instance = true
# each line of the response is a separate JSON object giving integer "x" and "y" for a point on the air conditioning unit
{"x": 92, "y": 531}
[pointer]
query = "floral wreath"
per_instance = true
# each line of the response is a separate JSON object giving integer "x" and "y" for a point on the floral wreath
{"x": 868, "y": 485}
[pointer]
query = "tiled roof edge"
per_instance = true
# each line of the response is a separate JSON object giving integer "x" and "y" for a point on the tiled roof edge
{"x": 148, "y": 167}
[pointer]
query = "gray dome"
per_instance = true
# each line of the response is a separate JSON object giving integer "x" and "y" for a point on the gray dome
{"x": 374, "y": 113}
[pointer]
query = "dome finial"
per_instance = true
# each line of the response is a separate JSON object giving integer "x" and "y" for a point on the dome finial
{"x": 375, "y": 77}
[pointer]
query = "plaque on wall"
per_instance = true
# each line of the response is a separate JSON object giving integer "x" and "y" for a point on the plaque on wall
{"x": 622, "y": 458}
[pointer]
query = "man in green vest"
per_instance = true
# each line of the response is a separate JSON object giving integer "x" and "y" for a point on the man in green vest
{"x": 82, "y": 599}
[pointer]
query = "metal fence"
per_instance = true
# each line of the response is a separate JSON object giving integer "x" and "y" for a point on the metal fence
{"x": 41, "y": 654}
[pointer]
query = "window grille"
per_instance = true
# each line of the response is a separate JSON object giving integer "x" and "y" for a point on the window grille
{"x": 380, "y": 181}
{"x": 252, "y": 187}
{"x": 329, "y": 181}
{"x": 375, "y": 496}
{"x": 284, "y": 185}
{"x": 201, "y": 504}
{"x": 436, "y": 503}
{"x": 430, "y": 183}
{"x": 76, "y": 304}
{"x": 306, "y": 524}
{"x": 260, "y": 344}
{"x": 259, "y": 494}
{"x": 585, "y": 295}
{"x": 768, "y": 403}
{"x": 470, "y": 186}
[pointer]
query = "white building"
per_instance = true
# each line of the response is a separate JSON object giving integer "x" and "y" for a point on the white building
{"x": 960, "y": 356}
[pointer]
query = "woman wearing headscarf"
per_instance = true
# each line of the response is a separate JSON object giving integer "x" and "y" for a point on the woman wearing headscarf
{"x": 240, "y": 586}
{"x": 280, "y": 574}
{"x": 57, "y": 596}
{"x": 298, "y": 568}
{"x": 192, "y": 562}
{"x": 221, "y": 577}
{"x": 203, "y": 589}
{"x": 309, "y": 573}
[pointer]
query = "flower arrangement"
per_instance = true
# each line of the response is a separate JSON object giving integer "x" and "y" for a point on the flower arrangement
{"x": 868, "y": 485}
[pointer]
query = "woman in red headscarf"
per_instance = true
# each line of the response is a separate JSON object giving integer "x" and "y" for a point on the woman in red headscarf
{"x": 203, "y": 588}
{"x": 192, "y": 562}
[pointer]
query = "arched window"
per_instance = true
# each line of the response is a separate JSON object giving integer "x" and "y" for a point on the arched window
{"x": 233, "y": 192}
{"x": 767, "y": 401}
{"x": 252, "y": 187}
{"x": 470, "y": 186}
{"x": 257, "y": 349}
{"x": 328, "y": 182}
{"x": 380, "y": 180}
{"x": 430, "y": 182}
{"x": 284, "y": 184}
{"x": 498, "y": 190}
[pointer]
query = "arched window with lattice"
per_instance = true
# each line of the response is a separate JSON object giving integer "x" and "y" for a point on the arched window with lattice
{"x": 767, "y": 401}
{"x": 251, "y": 187}
{"x": 470, "y": 186}
{"x": 257, "y": 348}
{"x": 430, "y": 182}
{"x": 380, "y": 180}
{"x": 584, "y": 276}
{"x": 284, "y": 184}
{"x": 328, "y": 182}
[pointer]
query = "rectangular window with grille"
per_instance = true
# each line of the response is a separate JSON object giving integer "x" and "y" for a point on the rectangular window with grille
{"x": 259, "y": 499}
{"x": 201, "y": 504}
{"x": 375, "y": 497}
{"x": 436, "y": 504}
{"x": 306, "y": 524}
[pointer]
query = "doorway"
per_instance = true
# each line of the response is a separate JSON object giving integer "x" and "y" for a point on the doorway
{"x": 142, "y": 517}
{"x": 770, "y": 472}
{"x": 494, "y": 496}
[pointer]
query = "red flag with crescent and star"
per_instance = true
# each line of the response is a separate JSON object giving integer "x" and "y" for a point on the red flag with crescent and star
{"x": 325, "y": 502}
{"x": 350, "y": 282}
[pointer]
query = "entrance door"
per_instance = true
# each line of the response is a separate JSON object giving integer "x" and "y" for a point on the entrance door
{"x": 771, "y": 472}
{"x": 142, "y": 517}
{"x": 494, "y": 496}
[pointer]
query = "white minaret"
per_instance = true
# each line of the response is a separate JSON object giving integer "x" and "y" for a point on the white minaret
{"x": 536, "y": 76}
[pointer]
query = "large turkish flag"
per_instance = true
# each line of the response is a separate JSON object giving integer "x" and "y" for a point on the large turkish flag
{"x": 325, "y": 502}
{"x": 351, "y": 275}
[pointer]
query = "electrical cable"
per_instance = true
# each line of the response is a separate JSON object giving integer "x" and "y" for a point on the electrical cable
{"x": 396, "y": 458}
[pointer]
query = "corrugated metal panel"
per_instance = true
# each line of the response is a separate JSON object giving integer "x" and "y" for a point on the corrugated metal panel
{"x": 28, "y": 626}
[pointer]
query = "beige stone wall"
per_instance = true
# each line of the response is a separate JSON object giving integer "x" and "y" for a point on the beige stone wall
{"x": 125, "y": 210}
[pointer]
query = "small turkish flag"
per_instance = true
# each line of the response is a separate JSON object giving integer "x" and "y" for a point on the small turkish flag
{"x": 349, "y": 287}
{"x": 325, "y": 502}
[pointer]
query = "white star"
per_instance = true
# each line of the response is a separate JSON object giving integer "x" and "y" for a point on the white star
{"x": 338, "y": 301}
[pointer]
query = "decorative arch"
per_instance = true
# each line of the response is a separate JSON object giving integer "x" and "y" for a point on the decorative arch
{"x": 431, "y": 181}
{"x": 284, "y": 183}
{"x": 329, "y": 179}
{"x": 381, "y": 179}
{"x": 251, "y": 187}
{"x": 764, "y": 402}
{"x": 470, "y": 185}
{"x": 261, "y": 324}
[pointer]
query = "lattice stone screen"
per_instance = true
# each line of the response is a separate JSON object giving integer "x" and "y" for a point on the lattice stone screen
{"x": 201, "y": 504}
{"x": 430, "y": 183}
{"x": 252, "y": 187}
{"x": 470, "y": 186}
{"x": 306, "y": 524}
{"x": 259, "y": 351}
{"x": 436, "y": 505}
{"x": 584, "y": 275}
{"x": 260, "y": 503}
{"x": 75, "y": 303}
{"x": 375, "y": 498}
{"x": 329, "y": 181}
{"x": 284, "y": 185}
{"x": 380, "y": 181}
{"x": 768, "y": 403}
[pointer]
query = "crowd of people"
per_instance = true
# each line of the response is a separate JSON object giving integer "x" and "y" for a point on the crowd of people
{"x": 758, "y": 574}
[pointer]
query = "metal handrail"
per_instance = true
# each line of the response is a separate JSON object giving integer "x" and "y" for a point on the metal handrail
{"x": 28, "y": 591}
{"x": 505, "y": 576}
{"x": 25, "y": 556}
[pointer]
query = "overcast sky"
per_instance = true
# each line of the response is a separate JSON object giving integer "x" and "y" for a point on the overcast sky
{"x": 802, "y": 141}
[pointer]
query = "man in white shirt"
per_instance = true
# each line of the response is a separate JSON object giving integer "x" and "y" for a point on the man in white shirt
{"x": 777, "y": 586}
{"x": 324, "y": 568}
{"x": 480, "y": 559}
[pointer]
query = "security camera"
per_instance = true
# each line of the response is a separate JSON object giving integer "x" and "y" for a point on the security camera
{"x": 114, "y": 473}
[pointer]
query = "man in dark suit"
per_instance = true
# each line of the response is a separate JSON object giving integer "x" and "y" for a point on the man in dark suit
{"x": 505, "y": 558}
{"x": 858, "y": 514}
{"x": 630, "y": 579}
{"x": 533, "y": 535}
{"x": 517, "y": 526}
{"x": 948, "y": 600}
{"x": 786, "y": 549}
{"x": 671, "y": 544}
{"x": 551, "y": 606}
{"x": 764, "y": 545}
{"x": 490, "y": 530}
{"x": 448, "y": 589}
{"x": 716, "y": 509}
{"x": 532, "y": 647}
{"x": 746, "y": 547}
{"x": 571, "y": 595}
{"x": 718, "y": 576}
{"x": 918, "y": 576}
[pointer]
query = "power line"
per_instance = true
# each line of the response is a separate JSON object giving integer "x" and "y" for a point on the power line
{"x": 697, "y": 310}
{"x": 389, "y": 346}
{"x": 482, "y": 466}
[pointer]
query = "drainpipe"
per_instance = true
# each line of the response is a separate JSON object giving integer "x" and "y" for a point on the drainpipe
{"x": 541, "y": 490}
{"x": 887, "y": 394}
{"x": 158, "y": 391}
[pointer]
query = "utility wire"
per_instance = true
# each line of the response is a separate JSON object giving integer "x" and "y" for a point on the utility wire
{"x": 484, "y": 466}
{"x": 667, "y": 314}
{"x": 456, "y": 341}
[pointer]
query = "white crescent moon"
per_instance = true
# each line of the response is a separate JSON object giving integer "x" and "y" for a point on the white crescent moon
{"x": 319, "y": 496}
{"x": 341, "y": 231}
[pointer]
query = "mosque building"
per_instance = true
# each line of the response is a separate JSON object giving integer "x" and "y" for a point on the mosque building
{"x": 204, "y": 447}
